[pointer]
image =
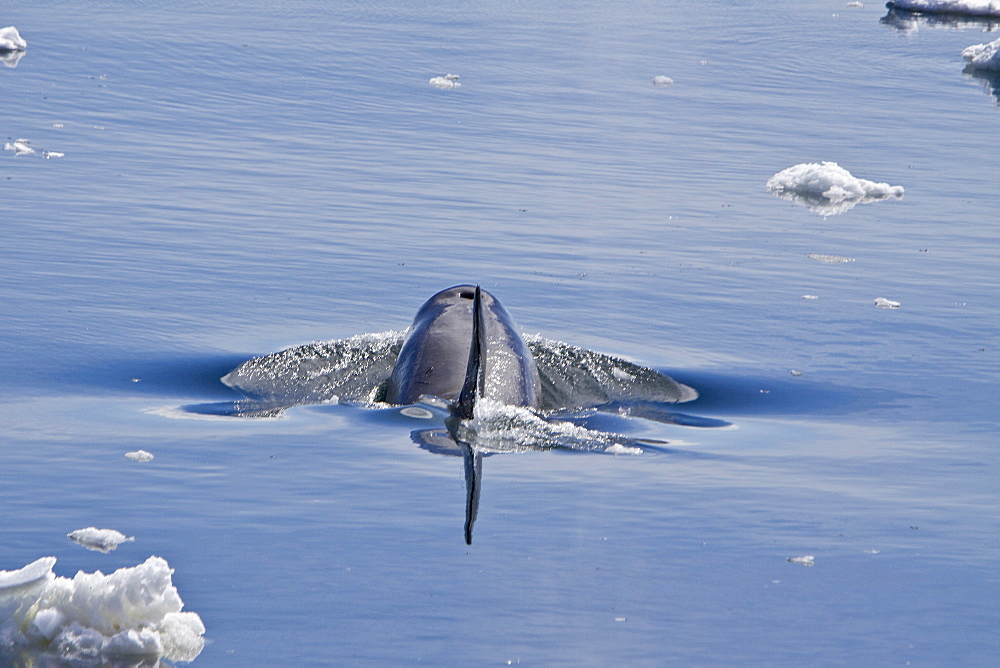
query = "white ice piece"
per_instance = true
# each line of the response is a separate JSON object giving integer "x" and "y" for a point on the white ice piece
{"x": 805, "y": 560}
{"x": 99, "y": 540}
{"x": 92, "y": 617}
{"x": 827, "y": 188}
{"x": 139, "y": 456}
{"x": 882, "y": 302}
{"x": 11, "y": 40}
{"x": 967, "y": 7}
{"x": 984, "y": 56}
{"x": 447, "y": 82}
{"x": 829, "y": 259}
{"x": 19, "y": 146}
{"x": 661, "y": 80}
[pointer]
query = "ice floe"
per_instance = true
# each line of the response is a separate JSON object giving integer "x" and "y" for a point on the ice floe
{"x": 984, "y": 56}
{"x": 805, "y": 560}
{"x": 968, "y": 7}
{"x": 827, "y": 188}
{"x": 20, "y": 147}
{"x": 882, "y": 302}
{"x": 11, "y": 40}
{"x": 12, "y": 46}
{"x": 139, "y": 456}
{"x": 99, "y": 540}
{"x": 829, "y": 259}
{"x": 92, "y": 617}
{"x": 447, "y": 82}
{"x": 661, "y": 80}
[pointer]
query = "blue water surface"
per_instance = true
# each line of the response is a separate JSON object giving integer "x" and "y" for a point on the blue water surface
{"x": 240, "y": 177}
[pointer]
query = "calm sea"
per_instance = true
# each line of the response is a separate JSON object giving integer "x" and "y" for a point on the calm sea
{"x": 239, "y": 177}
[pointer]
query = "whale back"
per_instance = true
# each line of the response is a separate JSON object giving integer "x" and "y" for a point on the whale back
{"x": 434, "y": 359}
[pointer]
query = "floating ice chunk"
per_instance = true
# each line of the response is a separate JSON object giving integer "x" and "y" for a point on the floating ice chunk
{"x": 829, "y": 259}
{"x": 827, "y": 188}
{"x": 11, "y": 40}
{"x": 660, "y": 80}
{"x": 810, "y": 296}
{"x": 984, "y": 56}
{"x": 20, "y": 147}
{"x": 805, "y": 560}
{"x": 968, "y": 7}
{"x": 99, "y": 540}
{"x": 93, "y": 617}
{"x": 139, "y": 456}
{"x": 855, "y": 4}
{"x": 882, "y": 302}
{"x": 447, "y": 82}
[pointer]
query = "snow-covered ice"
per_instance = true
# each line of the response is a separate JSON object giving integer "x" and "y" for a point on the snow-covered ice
{"x": 827, "y": 188}
{"x": 11, "y": 40}
{"x": 984, "y": 56}
{"x": 99, "y": 540}
{"x": 132, "y": 612}
{"x": 969, "y": 7}
{"x": 660, "y": 80}
{"x": 447, "y": 82}
{"x": 139, "y": 456}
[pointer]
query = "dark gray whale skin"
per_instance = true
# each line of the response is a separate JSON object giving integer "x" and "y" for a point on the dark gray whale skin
{"x": 435, "y": 357}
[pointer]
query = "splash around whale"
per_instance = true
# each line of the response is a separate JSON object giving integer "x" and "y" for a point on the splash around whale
{"x": 430, "y": 362}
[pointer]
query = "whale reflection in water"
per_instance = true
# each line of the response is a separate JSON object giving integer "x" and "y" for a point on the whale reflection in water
{"x": 463, "y": 356}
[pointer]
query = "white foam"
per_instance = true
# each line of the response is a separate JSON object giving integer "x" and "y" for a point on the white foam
{"x": 660, "y": 80}
{"x": 447, "y": 82}
{"x": 969, "y": 7}
{"x": 11, "y": 40}
{"x": 984, "y": 56}
{"x": 99, "y": 540}
{"x": 132, "y": 612}
{"x": 827, "y": 188}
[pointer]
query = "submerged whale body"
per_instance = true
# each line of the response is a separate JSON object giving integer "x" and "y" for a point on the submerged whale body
{"x": 463, "y": 349}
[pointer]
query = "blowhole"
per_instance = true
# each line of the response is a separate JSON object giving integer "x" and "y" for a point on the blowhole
{"x": 466, "y": 294}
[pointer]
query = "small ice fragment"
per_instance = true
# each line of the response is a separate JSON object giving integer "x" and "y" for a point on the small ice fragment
{"x": 99, "y": 540}
{"x": 19, "y": 146}
{"x": 805, "y": 560}
{"x": 52, "y": 154}
{"x": 810, "y": 296}
{"x": 882, "y": 302}
{"x": 139, "y": 456}
{"x": 984, "y": 56}
{"x": 660, "y": 80}
{"x": 58, "y": 125}
{"x": 11, "y": 40}
{"x": 827, "y": 188}
{"x": 619, "y": 449}
{"x": 447, "y": 82}
{"x": 872, "y": 551}
{"x": 621, "y": 619}
{"x": 969, "y": 7}
{"x": 855, "y": 4}
{"x": 829, "y": 259}
{"x": 795, "y": 373}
